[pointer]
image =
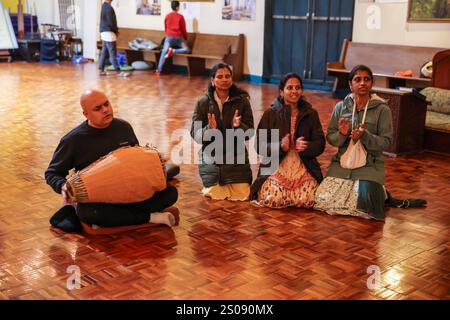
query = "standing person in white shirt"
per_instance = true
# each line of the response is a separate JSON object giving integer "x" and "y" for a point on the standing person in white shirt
{"x": 108, "y": 33}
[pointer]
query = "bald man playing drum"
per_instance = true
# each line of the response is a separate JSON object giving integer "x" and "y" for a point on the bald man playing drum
{"x": 96, "y": 137}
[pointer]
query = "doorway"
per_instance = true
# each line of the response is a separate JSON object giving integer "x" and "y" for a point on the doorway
{"x": 301, "y": 36}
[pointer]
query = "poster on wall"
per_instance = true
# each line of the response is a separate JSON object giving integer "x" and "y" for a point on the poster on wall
{"x": 239, "y": 10}
{"x": 190, "y": 10}
{"x": 148, "y": 7}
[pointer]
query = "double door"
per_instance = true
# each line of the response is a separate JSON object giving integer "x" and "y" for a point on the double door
{"x": 301, "y": 36}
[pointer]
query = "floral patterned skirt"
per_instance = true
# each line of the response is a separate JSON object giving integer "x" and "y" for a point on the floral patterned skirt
{"x": 290, "y": 186}
{"x": 344, "y": 197}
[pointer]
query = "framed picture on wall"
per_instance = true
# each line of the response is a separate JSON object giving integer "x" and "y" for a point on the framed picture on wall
{"x": 239, "y": 10}
{"x": 429, "y": 11}
{"x": 148, "y": 7}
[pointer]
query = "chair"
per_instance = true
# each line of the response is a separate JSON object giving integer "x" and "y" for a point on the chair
{"x": 75, "y": 47}
{"x": 441, "y": 70}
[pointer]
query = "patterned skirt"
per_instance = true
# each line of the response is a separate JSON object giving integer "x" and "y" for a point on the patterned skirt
{"x": 359, "y": 198}
{"x": 290, "y": 186}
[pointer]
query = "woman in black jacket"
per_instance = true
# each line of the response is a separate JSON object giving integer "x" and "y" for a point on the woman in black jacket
{"x": 299, "y": 141}
{"x": 222, "y": 122}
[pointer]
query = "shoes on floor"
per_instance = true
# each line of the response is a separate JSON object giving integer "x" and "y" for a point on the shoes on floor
{"x": 157, "y": 73}
{"x": 102, "y": 73}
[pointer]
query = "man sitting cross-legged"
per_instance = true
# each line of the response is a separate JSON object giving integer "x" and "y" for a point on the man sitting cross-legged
{"x": 99, "y": 135}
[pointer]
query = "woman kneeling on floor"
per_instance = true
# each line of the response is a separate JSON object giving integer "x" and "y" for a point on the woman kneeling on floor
{"x": 221, "y": 115}
{"x": 300, "y": 140}
{"x": 361, "y": 127}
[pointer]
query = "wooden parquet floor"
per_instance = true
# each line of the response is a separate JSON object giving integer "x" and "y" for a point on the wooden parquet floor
{"x": 220, "y": 250}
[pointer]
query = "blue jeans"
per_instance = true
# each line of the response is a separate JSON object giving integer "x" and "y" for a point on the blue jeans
{"x": 179, "y": 45}
{"x": 108, "y": 49}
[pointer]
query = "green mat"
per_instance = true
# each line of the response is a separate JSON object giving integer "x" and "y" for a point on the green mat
{"x": 122, "y": 68}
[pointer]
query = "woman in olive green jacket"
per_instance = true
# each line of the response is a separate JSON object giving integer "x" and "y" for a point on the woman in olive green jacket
{"x": 360, "y": 191}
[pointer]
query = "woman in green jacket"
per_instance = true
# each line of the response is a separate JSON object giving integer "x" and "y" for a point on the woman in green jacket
{"x": 222, "y": 122}
{"x": 359, "y": 191}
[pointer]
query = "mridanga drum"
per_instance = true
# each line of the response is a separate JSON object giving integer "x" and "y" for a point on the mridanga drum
{"x": 126, "y": 175}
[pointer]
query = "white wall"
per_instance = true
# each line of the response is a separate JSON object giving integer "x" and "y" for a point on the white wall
{"x": 210, "y": 21}
{"x": 90, "y": 22}
{"x": 393, "y": 27}
{"x": 43, "y": 9}
{"x": 86, "y": 23}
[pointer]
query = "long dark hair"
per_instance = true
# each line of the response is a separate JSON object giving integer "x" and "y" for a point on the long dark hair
{"x": 234, "y": 89}
{"x": 360, "y": 67}
{"x": 218, "y": 66}
{"x": 284, "y": 79}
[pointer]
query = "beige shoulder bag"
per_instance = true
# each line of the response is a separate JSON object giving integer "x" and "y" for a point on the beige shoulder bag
{"x": 355, "y": 156}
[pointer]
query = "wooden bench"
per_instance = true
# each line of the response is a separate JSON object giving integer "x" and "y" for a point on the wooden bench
{"x": 384, "y": 60}
{"x": 229, "y": 49}
{"x": 226, "y": 48}
{"x": 155, "y": 36}
{"x": 127, "y": 35}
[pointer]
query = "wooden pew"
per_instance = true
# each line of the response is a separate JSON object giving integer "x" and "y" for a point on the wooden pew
{"x": 384, "y": 60}
{"x": 127, "y": 35}
{"x": 229, "y": 49}
{"x": 226, "y": 48}
{"x": 155, "y": 36}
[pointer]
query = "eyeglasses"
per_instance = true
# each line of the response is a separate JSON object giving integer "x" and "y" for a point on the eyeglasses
{"x": 297, "y": 87}
{"x": 361, "y": 79}
{"x": 223, "y": 76}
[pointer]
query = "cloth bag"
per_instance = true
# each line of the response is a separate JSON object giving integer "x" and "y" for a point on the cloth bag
{"x": 356, "y": 155}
